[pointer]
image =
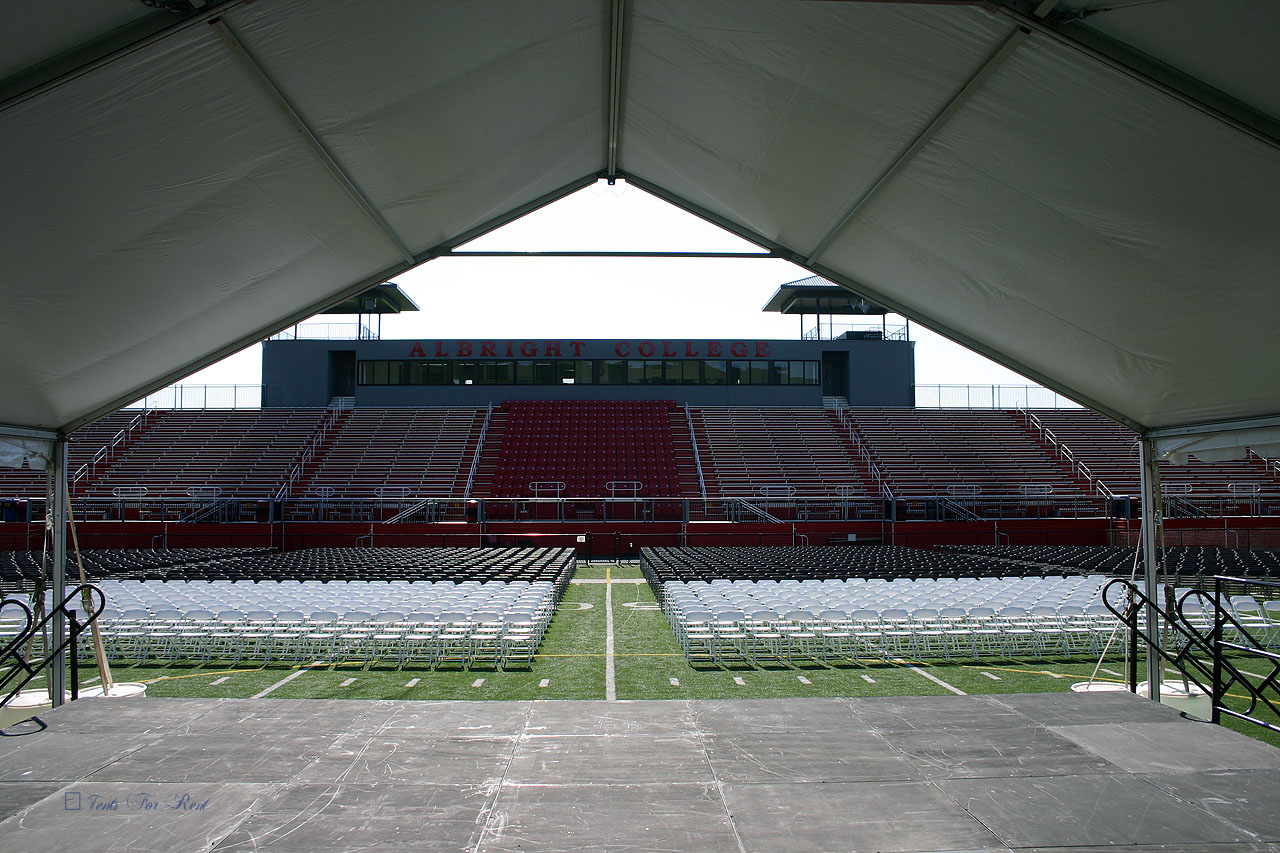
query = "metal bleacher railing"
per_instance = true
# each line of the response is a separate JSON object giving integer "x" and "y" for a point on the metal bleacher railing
{"x": 202, "y": 397}
{"x": 1065, "y": 453}
{"x": 697, "y": 456}
{"x": 860, "y": 447}
{"x": 108, "y": 450}
{"x": 990, "y": 397}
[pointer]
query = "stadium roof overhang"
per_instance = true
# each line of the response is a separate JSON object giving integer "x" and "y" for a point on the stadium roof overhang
{"x": 1087, "y": 195}
{"x": 815, "y": 295}
{"x": 383, "y": 299}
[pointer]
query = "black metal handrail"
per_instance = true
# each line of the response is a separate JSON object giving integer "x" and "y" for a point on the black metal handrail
{"x": 1211, "y": 671}
{"x": 1225, "y": 619}
{"x": 1183, "y": 658}
{"x": 23, "y": 670}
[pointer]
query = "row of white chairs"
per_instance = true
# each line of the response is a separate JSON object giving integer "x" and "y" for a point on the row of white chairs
{"x": 752, "y": 621}
{"x": 470, "y": 623}
{"x": 464, "y": 638}
{"x": 833, "y": 635}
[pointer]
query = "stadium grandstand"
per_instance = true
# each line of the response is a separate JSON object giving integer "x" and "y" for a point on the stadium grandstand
{"x": 787, "y": 598}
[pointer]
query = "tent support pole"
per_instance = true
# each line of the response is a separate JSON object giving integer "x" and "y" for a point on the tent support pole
{"x": 56, "y": 511}
{"x": 1152, "y": 524}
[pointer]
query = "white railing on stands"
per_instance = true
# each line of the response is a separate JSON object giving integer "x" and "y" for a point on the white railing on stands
{"x": 1271, "y": 466}
{"x": 990, "y": 397}
{"x": 326, "y": 332}
{"x": 874, "y": 331}
{"x": 697, "y": 457}
{"x": 882, "y": 486}
{"x": 108, "y": 450}
{"x": 203, "y": 397}
{"x": 327, "y": 423}
{"x": 475, "y": 459}
{"x": 1078, "y": 468}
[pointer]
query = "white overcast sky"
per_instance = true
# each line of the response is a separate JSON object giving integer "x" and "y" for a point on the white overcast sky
{"x": 613, "y": 298}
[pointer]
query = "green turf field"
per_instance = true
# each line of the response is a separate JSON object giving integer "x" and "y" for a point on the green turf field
{"x": 571, "y": 664}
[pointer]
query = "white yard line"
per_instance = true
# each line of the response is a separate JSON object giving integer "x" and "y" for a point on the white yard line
{"x": 281, "y": 683}
{"x": 1111, "y": 672}
{"x": 737, "y": 679}
{"x": 992, "y": 677}
{"x": 675, "y": 682}
{"x": 610, "y": 678}
{"x": 868, "y": 679}
{"x": 935, "y": 679}
{"x": 1051, "y": 674}
{"x": 348, "y": 682}
{"x": 546, "y": 682}
{"x": 412, "y": 682}
{"x": 803, "y": 680}
{"x": 477, "y": 682}
{"x": 218, "y": 681}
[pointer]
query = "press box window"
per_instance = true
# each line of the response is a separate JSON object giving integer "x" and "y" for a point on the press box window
{"x": 713, "y": 373}
{"x": 613, "y": 373}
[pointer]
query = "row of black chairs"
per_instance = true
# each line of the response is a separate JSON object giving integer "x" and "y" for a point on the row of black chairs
{"x": 1179, "y": 560}
{"x": 313, "y": 564}
{"x": 821, "y": 563}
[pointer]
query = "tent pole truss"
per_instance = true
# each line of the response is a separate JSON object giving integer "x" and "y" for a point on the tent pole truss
{"x": 56, "y": 514}
{"x": 615, "y": 89}
{"x": 1152, "y": 527}
{"x": 100, "y": 52}
{"x": 1168, "y": 81}
{"x": 304, "y": 130}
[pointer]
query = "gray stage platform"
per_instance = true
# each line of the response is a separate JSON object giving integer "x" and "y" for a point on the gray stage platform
{"x": 1021, "y": 772}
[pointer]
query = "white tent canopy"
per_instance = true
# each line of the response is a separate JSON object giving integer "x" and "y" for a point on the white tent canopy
{"x": 1090, "y": 196}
